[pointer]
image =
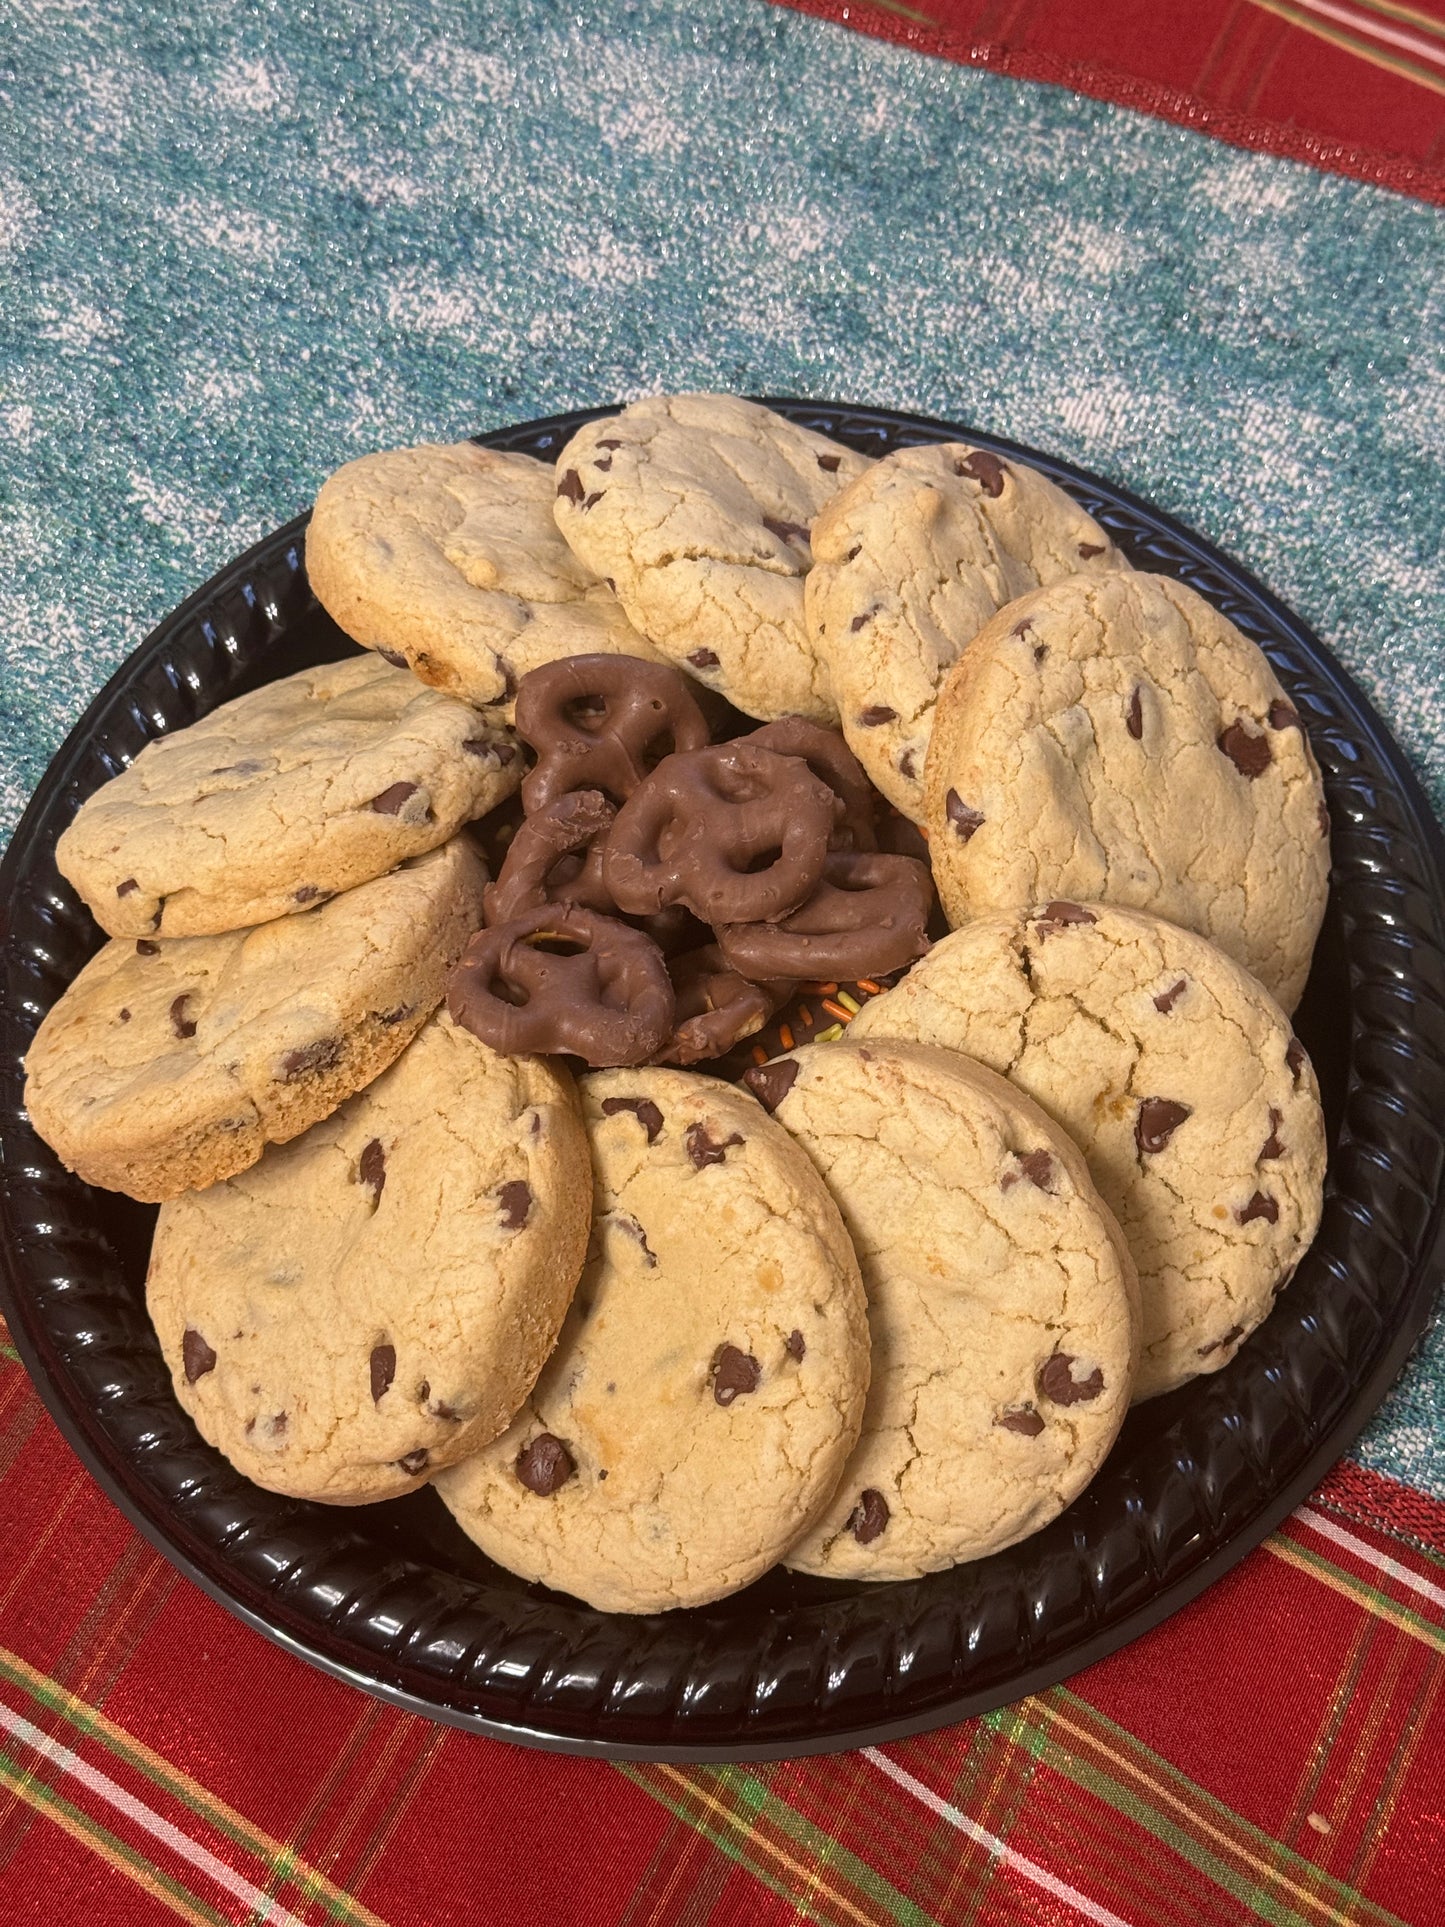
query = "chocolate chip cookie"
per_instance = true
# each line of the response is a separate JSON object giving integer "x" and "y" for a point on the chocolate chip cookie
{"x": 709, "y": 1382}
{"x": 374, "y": 1300}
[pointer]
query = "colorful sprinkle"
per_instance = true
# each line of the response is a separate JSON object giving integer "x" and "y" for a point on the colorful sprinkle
{"x": 786, "y": 1035}
{"x": 760, "y": 1056}
{"x": 867, "y": 983}
{"x": 837, "y": 1010}
{"x": 830, "y": 1035}
{"x": 849, "y": 1003}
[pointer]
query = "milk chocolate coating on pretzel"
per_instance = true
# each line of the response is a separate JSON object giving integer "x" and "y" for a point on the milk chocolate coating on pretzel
{"x": 716, "y": 1008}
{"x": 564, "y": 979}
{"x": 602, "y": 723}
{"x": 869, "y": 914}
{"x": 555, "y": 856}
{"x": 831, "y": 760}
{"x": 693, "y": 832}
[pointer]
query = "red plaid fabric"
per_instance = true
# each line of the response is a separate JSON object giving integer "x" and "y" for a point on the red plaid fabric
{"x": 1353, "y": 86}
{"x": 1274, "y": 1753}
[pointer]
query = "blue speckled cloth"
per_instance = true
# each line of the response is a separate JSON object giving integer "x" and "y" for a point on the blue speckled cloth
{"x": 236, "y": 250}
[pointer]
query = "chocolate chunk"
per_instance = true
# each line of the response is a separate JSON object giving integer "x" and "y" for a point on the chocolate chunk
{"x": 1059, "y": 915}
{"x": 965, "y": 821}
{"x": 371, "y": 1166}
{"x": 1294, "y": 1056}
{"x": 196, "y": 1355}
{"x": 985, "y": 469}
{"x": 1086, "y": 549}
{"x": 785, "y": 531}
{"x": 1057, "y": 1382}
{"x": 412, "y": 1462}
{"x": 124, "y": 1015}
{"x": 876, "y": 714}
{"x": 308, "y": 893}
{"x": 1020, "y": 1418}
{"x": 829, "y": 463}
{"x": 858, "y": 621}
{"x": 1134, "y": 722}
{"x": 1272, "y": 1148}
{"x": 734, "y": 1372}
{"x": 486, "y": 746}
{"x": 1283, "y": 715}
{"x": 571, "y": 486}
{"x": 705, "y": 1150}
{"x": 145, "y": 948}
{"x": 646, "y": 1112}
{"x": 770, "y": 1083}
{"x": 1261, "y": 1205}
{"x": 1038, "y": 1168}
{"x": 383, "y": 1371}
{"x": 182, "y": 1025}
{"x": 545, "y": 1465}
{"x": 323, "y": 1055}
{"x": 515, "y": 1197}
{"x": 1159, "y": 1118}
{"x": 390, "y": 802}
{"x": 1218, "y": 1344}
{"x": 394, "y": 657}
{"x": 1249, "y": 754}
{"x": 704, "y": 659}
{"x": 868, "y": 1518}
{"x": 793, "y": 1345}
{"x": 1167, "y": 999}
{"x": 128, "y": 888}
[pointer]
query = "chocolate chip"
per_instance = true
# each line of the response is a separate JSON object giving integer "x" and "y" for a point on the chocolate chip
{"x": 704, "y": 659}
{"x": 1038, "y": 1168}
{"x": 1283, "y": 715}
{"x": 145, "y": 948}
{"x": 1272, "y": 1148}
{"x": 785, "y": 531}
{"x": 391, "y": 801}
{"x": 858, "y": 621}
{"x": 1057, "y": 1382}
{"x": 1167, "y": 999}
{"x": 611, "y": 442}
{"x": 1249, "y": 754}
{"x": 604, "y": 462}
{"x": 1134, "y": 722}
{"x": 1086, "y": 549}
{"x": 734, "y": 1373}
{"x": 308, "y": 893}
{"x": 876, "y": 714}
{"x": 394, "y": 657}
{"x": 1041, "y": 649}
{"x": 1284, "y": 1278}
{"x": 545, "y": 1465}
{"x": 646, "y": 1112}
{"x": 486, "y": 746}
{"x": 412, "y": 1462}
{"x": 854, "y": 553}
{"x": 985, "y": 469}
{"x": 371, "y": 1166}
{"x": 1020, "y": 1418}
{"x": 196, "y": 1355}
{"x": 770, "y": 1083}
{"x": 442, "y": 1410}
{"x": 868, "y": 1518}
{"x": 383, "y": 1371}
{"x": 124, "y": 1015}
{"x": 1218, "y": 1344}
{"x": 323, "y": 1055}
{"x": 907, "y": 766}
{"x": 793, "y": 1345}
{"x": 516, "y": 1201}
{"x": 1060, "y": 915}
{"x": 389, "y": 1017}
{"x": 705, "y": 1150}
{"x": 829, "y": 463}
{"x": 626, "y": 1222}
{"x": 571, "y": 486}
{"x": 182, "y": 1025}
{"x": 965, "y": 821}
{"x": 1022, "y": 628}
{"x": 1294, "y": 1056}
{"x": 1159, "y": 1118}
{"x": 128, "y": 888}
{"x": 591, "y": 501}
{"x": 1261, "y": 1205}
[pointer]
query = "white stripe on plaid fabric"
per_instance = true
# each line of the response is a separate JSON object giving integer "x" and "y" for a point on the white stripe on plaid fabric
{"x": 1381, "y": 1561}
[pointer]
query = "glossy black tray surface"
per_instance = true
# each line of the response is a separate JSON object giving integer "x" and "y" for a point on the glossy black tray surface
{"x": 394, "y": 1599}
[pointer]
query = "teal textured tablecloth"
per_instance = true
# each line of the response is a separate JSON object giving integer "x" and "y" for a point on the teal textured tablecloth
{"x": 239, "y": 248}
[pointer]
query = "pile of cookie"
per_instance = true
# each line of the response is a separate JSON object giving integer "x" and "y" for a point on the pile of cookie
{"x": 486, "y": 1151}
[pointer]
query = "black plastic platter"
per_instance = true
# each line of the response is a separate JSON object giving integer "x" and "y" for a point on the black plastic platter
{"x": 395, "y": 1600}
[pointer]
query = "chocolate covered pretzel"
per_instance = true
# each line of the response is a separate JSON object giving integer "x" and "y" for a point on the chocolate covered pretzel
{"x": 555, "y": 856}
{"x": 602, "y": 723}
{"x": 831, "y": 760}
{"x": 869, "y": 914}
{"x": 716, "y": 1008}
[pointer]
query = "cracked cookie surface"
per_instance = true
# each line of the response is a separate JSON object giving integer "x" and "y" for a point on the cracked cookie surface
{"x": 1115, "y": 739}
{"x": 909, "y": 562}
{"x": 1178, "y": 1078}
{"x": 374, "y": 1300}
{"x": 1002, "y": 1305}
{"x": 709, "y": 1382}
{"x": 697, "y": 508}
{"x": 447, "y": 560}
{"x": 278, "y": 799}
{"x": 171, "y": 1063}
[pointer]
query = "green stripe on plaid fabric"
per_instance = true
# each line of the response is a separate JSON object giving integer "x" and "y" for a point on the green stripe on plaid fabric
{"x": 1370, "y": 1597}
{"x": 735, "y": 1812}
